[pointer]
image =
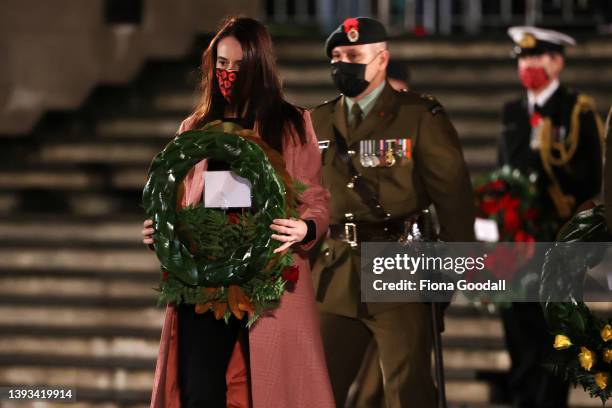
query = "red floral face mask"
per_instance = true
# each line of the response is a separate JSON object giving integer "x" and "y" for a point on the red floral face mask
{"x": 226, "y": 80}
{"x": 534, "y": 78}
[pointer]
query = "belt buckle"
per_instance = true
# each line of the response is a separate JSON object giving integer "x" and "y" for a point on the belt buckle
{"x": 350, "y": 233}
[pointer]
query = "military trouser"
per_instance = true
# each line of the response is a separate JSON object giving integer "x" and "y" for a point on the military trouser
{"x": 403, "y": 336}
{"x": 367, "y": 389}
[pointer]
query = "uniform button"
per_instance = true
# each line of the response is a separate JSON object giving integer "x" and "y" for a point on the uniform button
{"x": 351, "y": 153}
{"x": 350, "y": 184}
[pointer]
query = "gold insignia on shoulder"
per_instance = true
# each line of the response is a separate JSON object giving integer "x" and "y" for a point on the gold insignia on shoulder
{"x": 353, "y": 34}
{"x": 528, "y": 41}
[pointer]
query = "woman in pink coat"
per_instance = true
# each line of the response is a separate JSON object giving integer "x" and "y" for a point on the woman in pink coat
{"x": 279, "y": 361}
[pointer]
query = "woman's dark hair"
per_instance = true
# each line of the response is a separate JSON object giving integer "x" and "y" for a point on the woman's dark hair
{"x": 256, "y": 94}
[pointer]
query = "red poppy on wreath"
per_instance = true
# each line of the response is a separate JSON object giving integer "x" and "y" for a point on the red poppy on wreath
{"x": 233, "y": 218}
{"x": 489, "y": 206}
{"x": 291, "y": 273}
{"x": 165, "y": 275}
{"x": 498, "y": 185}
{"x": 512, "y": 221}
{"x": 503, "y": 263}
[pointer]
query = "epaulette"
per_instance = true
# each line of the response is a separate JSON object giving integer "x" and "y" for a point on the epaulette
{"x": 328, "y": 102}
{"x": 432, "y": 104}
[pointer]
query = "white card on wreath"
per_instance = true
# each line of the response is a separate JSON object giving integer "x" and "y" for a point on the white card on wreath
{"x": 225, "y": 189}
{"x": 486, "y": 230}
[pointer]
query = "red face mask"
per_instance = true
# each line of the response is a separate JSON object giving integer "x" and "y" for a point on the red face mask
{"x": 226, "y": 79}
{"x": 534, "y": 78}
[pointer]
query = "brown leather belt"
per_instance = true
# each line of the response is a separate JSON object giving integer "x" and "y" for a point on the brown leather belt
{"x": 356, "y": 232}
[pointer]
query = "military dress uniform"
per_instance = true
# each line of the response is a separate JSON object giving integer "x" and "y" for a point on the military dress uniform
{"x": 560, "y": 140}
{"x": 579, "y": 179}
{"x": 405, "y": 154}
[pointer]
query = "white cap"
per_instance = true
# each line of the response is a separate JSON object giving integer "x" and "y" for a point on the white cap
{"x": 517, "y": 34}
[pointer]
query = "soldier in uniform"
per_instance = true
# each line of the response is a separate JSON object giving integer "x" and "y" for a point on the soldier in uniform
{"x": 386, "y": 155}
{"x": 367, "y": 388}
{"x": 555, "y": 132}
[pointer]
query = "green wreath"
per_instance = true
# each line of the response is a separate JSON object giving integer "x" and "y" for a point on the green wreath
{"x": 583, "y": 341}
{"x": 232, "y": 279}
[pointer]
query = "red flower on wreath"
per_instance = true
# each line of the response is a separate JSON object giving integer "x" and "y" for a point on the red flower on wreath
{"x": 291, "y": 273}
{"x": 503, "y": 263}
{"x": 233, "y": 218}
{"x": 497, "y": 185}
{"x": 165, "y": 275}
{"x": 489, "y": 206}
{"x": 512, "y": 221}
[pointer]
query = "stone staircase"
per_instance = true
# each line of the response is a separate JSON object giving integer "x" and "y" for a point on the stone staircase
{"x": 77, "y": 305}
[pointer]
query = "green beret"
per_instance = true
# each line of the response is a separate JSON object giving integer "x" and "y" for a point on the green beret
{"x": 356, "y": 31}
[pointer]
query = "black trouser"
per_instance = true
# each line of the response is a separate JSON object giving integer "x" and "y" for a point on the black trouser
{"x": 205, "y": 346}
{"x": 530, "y": 345}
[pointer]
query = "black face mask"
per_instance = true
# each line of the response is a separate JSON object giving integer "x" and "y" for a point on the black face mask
{"x": 349, "y": 77}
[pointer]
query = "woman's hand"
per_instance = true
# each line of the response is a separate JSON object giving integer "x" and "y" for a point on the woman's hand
{"x": 291, "y": 231}
{"x": 147, "y": 232}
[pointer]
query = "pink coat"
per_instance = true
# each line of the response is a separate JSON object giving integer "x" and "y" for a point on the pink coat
{"x": 286, "y": 354}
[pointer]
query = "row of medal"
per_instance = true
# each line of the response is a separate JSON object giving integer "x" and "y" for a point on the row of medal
{"x": 385, "y": 153}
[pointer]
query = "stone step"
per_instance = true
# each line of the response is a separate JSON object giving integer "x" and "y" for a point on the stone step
{"x": 34, "y": 289}
{"x": 122, "y": 152}
{"x": 118, "y": 261}
{"x": 458, "y": 331}
{"x": 80, "y": 203}
{"x": 89, "y": 347}
{"x": 104, "y": 380}
{"x": 26, "y": 316}
{"x": 135, "y": 353}
{"x": 98, "y": 190}
{"x": 125, "y": 387}
{"x": 68, "y": 179}
{"x": 69, "y": 232}
{"x": 92, "y": 383}
{"x": 68, "y": 331}
{"x": 164, "y": 128}
{"x": 458, "y": 50}
{"x": 127, "y": 364}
